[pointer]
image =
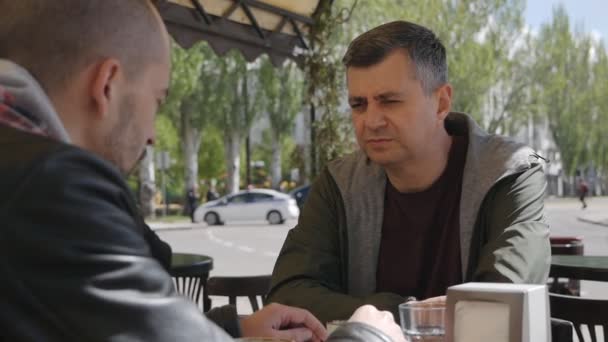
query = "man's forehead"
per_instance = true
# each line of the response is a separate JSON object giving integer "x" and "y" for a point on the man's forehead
{"x": 368, "y": 85}
{"x": 375, "y": 86}
{"x": 375, "y": 94}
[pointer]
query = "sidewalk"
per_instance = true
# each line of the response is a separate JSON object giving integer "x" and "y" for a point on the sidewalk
{"x": 596, "y": 212}
{"x": 177, "y": 225}
{"x": 594, "y": 218}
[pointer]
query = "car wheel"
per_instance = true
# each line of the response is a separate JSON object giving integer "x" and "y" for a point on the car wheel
{"x": 212, "y": 219}
{"x": 274, "y": 217}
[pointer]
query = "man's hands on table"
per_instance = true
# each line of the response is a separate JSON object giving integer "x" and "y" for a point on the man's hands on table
{"x": 382, "y": 320}
{"x": 434, "y": 301}
{"x": 294, "y": 324}
{"x": 284, "y": 322}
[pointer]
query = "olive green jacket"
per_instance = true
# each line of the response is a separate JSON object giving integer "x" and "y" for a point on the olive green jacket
{"x": 328, "y": 262}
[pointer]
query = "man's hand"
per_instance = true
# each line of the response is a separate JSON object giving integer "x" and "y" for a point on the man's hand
{"x": 284, "y": 322}
{"x": 434, "y": 301}
{"x": 382, "y": 320}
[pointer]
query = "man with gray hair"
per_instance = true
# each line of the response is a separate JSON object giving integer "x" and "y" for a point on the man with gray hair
{"x": 80, "y": 83}
{"x": 428, "y": 202}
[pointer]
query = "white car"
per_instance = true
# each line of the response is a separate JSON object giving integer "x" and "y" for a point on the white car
{"x": 249, "y": 205}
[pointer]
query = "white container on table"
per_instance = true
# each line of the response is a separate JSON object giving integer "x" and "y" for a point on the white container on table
{"x": 497, "y": 312}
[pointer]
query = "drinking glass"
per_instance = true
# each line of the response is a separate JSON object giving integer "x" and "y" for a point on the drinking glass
{"x": 423, "y": 321}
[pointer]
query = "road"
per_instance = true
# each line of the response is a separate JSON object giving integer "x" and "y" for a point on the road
{"x": 237, "y": 250}
{"x": 563, "y": 218}
{"x": 252, "y": 248}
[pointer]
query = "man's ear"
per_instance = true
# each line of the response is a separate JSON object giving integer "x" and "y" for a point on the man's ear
{"x": 103, "y": 84}
{"x": 444, "y": 95}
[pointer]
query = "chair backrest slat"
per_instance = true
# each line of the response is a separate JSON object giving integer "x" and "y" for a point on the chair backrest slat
{"x": 191, "y": 288}
{"x": 591, "y": 329}
{"x": 579, "y": 333}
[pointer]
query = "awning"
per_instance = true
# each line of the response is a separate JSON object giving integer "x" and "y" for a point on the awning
{"x": 275, "y": 27}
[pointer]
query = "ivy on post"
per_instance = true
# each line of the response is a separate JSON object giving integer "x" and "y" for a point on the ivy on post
{"x": 330, "y": 133}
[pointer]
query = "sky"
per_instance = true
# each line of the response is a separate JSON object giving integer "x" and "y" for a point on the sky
{"x": 592, "y": 14}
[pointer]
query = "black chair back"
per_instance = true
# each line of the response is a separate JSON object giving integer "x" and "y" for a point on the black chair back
{"x": 581, "y": 311}
{"x": 190, "y": 273}
{"x": 252, "y": 287}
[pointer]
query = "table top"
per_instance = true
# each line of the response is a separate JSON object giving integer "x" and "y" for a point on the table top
{"x": 186, "y": 264}
{"x": 585, "y": 267}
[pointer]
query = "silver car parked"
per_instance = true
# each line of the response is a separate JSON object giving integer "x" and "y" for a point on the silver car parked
{"x": 249, "y": 205}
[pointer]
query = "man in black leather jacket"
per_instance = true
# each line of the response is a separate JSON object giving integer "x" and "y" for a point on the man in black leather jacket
{"x": 80, "y": 82}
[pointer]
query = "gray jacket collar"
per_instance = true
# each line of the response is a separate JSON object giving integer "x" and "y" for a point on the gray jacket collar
{"x": 30, "y": 100}
{"x": 362, "y": 185}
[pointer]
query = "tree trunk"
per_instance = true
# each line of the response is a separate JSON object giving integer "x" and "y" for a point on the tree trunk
{"x": 191, "y": 144}
{"x": 275, "y": 164}
{"x": 147, "y": 187}
{"x": 248, "y": 160}
{"x": 233, "y": 161}
{"x": 312, "y": 157}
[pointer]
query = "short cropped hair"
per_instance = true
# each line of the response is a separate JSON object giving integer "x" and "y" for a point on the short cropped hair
{"x": 424, "y": 48}
{"x": 54, "y": 39}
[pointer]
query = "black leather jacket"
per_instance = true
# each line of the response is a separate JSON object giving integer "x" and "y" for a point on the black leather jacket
{"x": 78, "y": 262}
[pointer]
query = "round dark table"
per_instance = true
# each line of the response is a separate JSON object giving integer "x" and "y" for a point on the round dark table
{"x": 583, "y": 267}
{"x": 191, "y": 272}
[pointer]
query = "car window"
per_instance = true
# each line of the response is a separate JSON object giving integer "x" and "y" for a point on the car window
{"x": 260, "y": 197}
{"x": 238, "y": 199}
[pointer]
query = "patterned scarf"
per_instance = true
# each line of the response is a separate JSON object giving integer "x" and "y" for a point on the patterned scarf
{"x": 12, "y": 116}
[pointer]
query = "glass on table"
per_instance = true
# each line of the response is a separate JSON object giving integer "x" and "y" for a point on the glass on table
{"x": 423, "y": 321}
{"x": 260, "y": 339}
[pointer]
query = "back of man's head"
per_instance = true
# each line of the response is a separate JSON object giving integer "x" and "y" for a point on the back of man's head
{"x": 423, "y": 47}
{"x": 55, "y": 39}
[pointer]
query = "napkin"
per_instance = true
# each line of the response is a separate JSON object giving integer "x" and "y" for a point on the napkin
{"x": 480, "y": 321}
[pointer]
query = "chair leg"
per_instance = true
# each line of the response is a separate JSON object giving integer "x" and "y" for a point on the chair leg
{"x": 197, "y": 293}
{"x": 232, "y": 300}
{"x": 206, "y": 299}
{"x": 254, "y": 303}
{"x": 554, "y": 285}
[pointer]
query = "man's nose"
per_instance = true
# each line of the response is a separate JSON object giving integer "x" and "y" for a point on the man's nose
{"x": 375, "y": 118}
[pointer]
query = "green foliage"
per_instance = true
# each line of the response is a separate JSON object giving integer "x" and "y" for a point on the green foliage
{"x": 241, "y": 97}
{"x": 211, "y": 156}
{"x": 186, "y": 68}
{"x": 167, "y": 139}
{"x": 192, "y": 105}
{"x": 167, "y": 136}
{"x": 289, "y": 149}
{"x": 282, "y": 100}
{"x": 570, "y": 91}
{"x": 325, "y": 82}
{"x": 598, "y": 147}
{"x": 290, "y": 155}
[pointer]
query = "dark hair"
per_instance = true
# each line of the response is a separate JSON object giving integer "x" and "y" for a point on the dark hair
{"x": 55, "y": 39}
{"x": 423, "y": 47}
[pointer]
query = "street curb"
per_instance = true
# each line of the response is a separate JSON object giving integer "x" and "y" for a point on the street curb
{"x": 185, "y": 227}
{"x": 596, "y": 222}
{"x": 171, "y": 228}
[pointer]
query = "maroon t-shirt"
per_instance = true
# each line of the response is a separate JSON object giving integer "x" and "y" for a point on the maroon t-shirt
{"x": 420, "y": 246}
